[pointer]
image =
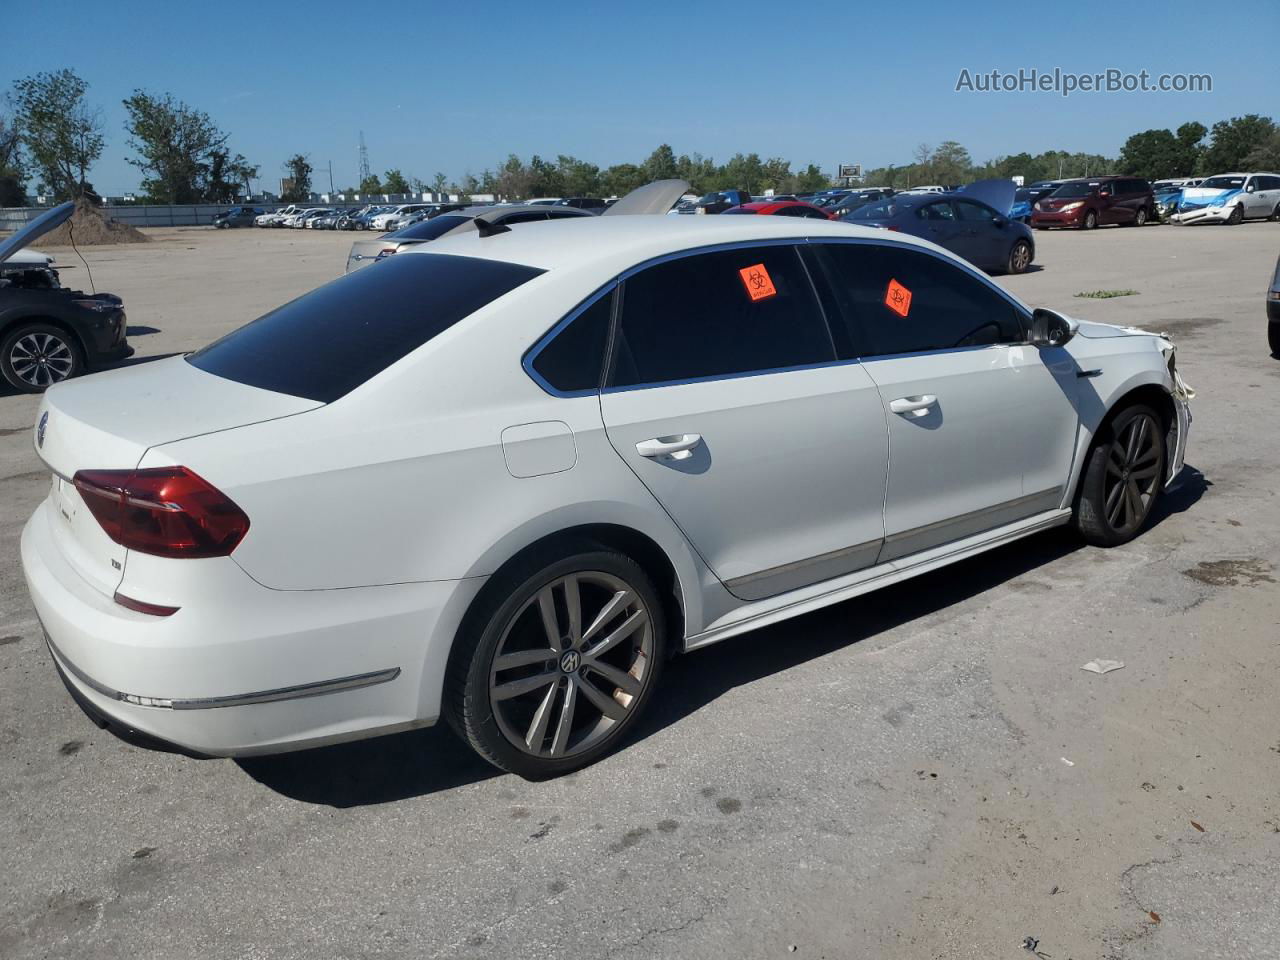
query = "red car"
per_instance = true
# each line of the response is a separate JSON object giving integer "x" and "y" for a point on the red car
{"x": 783, "y": 208}
{"x": 1087, "y": 203}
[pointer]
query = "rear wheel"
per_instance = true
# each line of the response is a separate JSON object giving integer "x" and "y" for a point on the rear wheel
{"x": 557, "y": 662}
{"x": 1123, "y": 478}
{"x": 35, "y": 356}
{"x": 1090, "y": 220}
{"x": 1273, "y": 337}
{"x": 1019, "y": 257}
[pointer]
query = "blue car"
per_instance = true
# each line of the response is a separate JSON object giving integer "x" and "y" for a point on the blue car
{"x": 959, "y": 222}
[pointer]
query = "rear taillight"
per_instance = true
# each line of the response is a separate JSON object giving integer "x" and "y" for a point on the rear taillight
{"x": 165, "y": 511}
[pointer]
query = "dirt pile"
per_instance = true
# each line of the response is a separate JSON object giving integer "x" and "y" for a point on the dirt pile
{"x": 88, "y": 227}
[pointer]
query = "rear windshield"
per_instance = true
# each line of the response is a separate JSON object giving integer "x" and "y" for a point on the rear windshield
{"x": 329, "y": 341}
{"x": 428, "y": 229}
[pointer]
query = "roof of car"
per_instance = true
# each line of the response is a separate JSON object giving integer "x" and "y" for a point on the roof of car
{"x": 614, "y": 244}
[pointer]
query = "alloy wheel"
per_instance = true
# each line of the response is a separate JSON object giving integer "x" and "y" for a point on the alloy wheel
{"x": 1021, "y": 257}
{"x": 571, "y": 664}
{"x": 41, "y": 359}
{"x": 1132, "y": 476}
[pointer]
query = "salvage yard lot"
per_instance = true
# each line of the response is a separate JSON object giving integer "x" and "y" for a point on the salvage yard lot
{"x": 923, "y": 772}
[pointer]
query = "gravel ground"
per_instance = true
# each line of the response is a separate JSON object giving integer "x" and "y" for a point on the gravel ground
{"x": 921, "y": 773}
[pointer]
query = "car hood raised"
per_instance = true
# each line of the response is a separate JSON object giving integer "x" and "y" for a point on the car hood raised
{"x": 996, "y": 193}
{"x": 37, "y": 228}
{"x": 657, "y": 197}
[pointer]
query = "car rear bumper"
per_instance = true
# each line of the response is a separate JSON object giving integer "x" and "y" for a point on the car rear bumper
{"x": 1273, "y": 311}
{"x": 248, "y": 670}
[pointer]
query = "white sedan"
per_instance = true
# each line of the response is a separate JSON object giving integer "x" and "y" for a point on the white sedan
{"x": 502, "y": 478}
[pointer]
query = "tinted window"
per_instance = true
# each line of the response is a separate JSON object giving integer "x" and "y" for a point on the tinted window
{"x": 974, "y": 212}
{"x": 574, "y": 360}
{"x": 329, "y": 341}
{"x": 523, "y": 218}
{"x": 714, "y": 314}
{"x": 936, "y": 211}
{"x": 947, "y": 307}
{"x": 429, "y": 229}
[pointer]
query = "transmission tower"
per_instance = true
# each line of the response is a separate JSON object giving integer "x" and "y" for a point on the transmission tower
{"x": 365, "y": 173}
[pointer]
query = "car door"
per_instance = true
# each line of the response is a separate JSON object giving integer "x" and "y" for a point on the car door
{"x": 982, "y": 425}
{"x": 937, "y": 222}
{"x": 984, "y": 234}
{"x": 724, "y": 397}
{"x": 1256, "y": 197}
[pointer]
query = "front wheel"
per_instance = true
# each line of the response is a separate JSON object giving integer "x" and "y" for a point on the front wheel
{"x": 1140, "y": 219}
{"x": 1090, "y": 220}
{"x": 1019, "y": 257}
{"x": 1123, "y": 478}
{"x": 35, "y": 356}
{"x": 1236, "y": 217}
{"x": 557, "y": 662}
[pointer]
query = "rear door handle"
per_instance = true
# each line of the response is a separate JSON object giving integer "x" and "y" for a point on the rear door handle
{"x": 678, "y": 447}
{"x": 915, "y": 405}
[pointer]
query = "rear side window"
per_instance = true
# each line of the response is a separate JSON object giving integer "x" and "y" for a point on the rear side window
{"x": 329, "y": 341}
{"x": 574, "y": 360}
{"x": 894, "y": 300}
{"x": 718, "y": 314}
{"x": 429, "y": 229}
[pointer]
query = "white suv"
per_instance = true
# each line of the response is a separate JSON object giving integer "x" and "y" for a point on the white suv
{"x": 502, "y": 477}
{"x": 1230, "y": 198}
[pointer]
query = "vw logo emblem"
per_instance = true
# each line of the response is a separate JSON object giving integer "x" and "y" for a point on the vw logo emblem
{"x": 40, "y": 429}
{"x": 570, "y": 661}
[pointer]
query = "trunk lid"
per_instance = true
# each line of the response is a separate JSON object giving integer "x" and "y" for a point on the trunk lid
{"x": 108, "y": 421}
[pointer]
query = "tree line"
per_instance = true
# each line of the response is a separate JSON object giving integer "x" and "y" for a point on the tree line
{"x": 53, "y": 136}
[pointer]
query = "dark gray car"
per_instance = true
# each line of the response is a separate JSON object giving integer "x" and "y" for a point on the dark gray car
{"x": 959, "y": 222}
{"x": 1273, "y": 313}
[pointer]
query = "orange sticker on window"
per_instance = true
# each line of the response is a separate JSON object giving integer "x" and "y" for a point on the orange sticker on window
{"x": 757, "y": 281}
{"x": 898, "y": 298}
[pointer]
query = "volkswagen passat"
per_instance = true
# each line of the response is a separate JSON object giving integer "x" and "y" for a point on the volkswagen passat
{"x": 502, "y": 478}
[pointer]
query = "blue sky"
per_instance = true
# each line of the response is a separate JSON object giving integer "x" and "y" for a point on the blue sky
{"x": 608, "y": 82}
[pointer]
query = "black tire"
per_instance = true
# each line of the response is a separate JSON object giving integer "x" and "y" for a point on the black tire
{"x": 1236, "y": 217}
{"x": 1273, "y": 337}
{"x": 54, "y": 354}
{"x": 1275, "y": 214}
{"x": 509, "y": 615}
{"x": 1090, "y": 221}
{"x": 1019, "y": 257}
{"x": 1123, "y": 477}
{"x": 1140, "y": 218}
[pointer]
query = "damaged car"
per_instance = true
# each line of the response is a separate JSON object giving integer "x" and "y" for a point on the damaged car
{"x": 49, "y": 333}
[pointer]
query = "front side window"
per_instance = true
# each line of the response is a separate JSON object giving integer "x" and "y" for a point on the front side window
{"x": 894, "y": 300}
{"x": 329, "y": 341}
{"x": 718, "y": 314}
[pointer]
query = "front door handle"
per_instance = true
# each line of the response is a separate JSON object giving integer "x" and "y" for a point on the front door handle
{"x": 679, "y": 447}
{"x": 913, "y": 405}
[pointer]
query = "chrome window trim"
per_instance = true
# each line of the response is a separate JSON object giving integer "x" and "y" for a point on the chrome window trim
{"x": 530, "y": 355}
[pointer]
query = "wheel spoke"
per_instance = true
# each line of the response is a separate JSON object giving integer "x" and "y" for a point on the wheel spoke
{"x": 1131, "y": 446}
{"x": 564, "y": 726}
{"x": 541, "y": 717}
{"x": 620, "y": 601}
{"x": 523, "y": 658}
{"x": 610, "y": 707}
{"x": 1146, "y": 473}
{"x": 505, "y": 691}
{"x": 1114, "y": 504}
{"x": 628, "y": 627}
{"x": 573, "y": 600}
{"x": 1135, "y": 497}
{"x": 623, "y": 681}
{"x": 547, "y": 608}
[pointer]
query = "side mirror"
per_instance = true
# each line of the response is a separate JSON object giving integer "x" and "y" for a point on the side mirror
{"x": 1051, "y": 329}
{"x": 1249, "y": 188}
{"x": 1000, "y": 222}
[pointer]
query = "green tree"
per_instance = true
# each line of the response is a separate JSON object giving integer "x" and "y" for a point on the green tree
{"x": 371, "y": 184}
{"x": 181, "y": 152}
{"x": 661, "y": 164}
{"x": 1265, "y": 156}
{"x": 12, "y": 172}
{"x": 545, "y": 179}
{"x": 393, "y": 181}
{"x": 1230, "y": 141}
{"x": 298, "y": 167}
{"x": 951, "y": 164}
{"x": 811, "y": 180}
{"x": 62, "y": 135}
{"x": 621, "y": 178}
{"x": 440, "y": 184}
{"x": 1151, "y": 154}
{"x": 580, "y": 179}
